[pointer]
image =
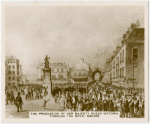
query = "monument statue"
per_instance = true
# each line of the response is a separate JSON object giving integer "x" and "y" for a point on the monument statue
{"x": 47, "y": 83}
{"x": 46, "y": 62}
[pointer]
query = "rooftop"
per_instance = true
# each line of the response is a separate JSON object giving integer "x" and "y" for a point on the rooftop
{"x": 132, "y": 31}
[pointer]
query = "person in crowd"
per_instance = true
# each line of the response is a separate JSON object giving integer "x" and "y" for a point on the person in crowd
{"x": 131, "y": 108}
{"x": 94, "y": 104}
{"x": 74, "y": 102}
{"x": 31, "y": 93}
{"x": 136, "y": 106}
{"x": 62, "y": 101}
{"x": 26, "y": 93}
{"x": 7, "y": 97}
{"x": 126, "y": 108}
{"x": 115, "y": 101}
{"x": 88, "y": 105}
{"x": 100, "y": 105}
{"x": 12, "y": 98}
{"x": 56, "y": 98}
{"x": 69, "y": 102}
{"x": 44, "y": 104}
{"x": 104, "y": 104}
{"x": 19, "y": 102}
{"x": 111, "y": 105}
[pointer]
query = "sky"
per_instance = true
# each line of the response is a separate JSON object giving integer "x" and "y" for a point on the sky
{"x": 66, "y": 34}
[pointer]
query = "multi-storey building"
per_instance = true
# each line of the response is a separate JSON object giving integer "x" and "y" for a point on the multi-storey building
{"x": 13, "y": 70}
{"x": 127, "y": 62}
{"x": 81, "y": 73}
{"x": 59, "y": 72}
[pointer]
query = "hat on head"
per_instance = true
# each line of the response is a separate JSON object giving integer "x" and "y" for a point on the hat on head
{"x": 18, "y": 93}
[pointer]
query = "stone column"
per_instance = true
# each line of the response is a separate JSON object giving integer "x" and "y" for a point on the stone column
{"x": 47, "y": 81}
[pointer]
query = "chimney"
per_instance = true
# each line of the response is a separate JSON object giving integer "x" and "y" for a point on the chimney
{"x": 128, "y": 33}
{"x": 117, "y": 48}
{"x": 114, "y": 52}
{"x": 122, "y": 42}
{"x": 132, "y": 26}
{"x": 112, "y": 57}
{"x": 135, "y": 25}
{"x": 124, "y": 37}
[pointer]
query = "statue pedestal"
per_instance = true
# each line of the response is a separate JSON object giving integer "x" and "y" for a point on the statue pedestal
{"x": 47, "y": 81}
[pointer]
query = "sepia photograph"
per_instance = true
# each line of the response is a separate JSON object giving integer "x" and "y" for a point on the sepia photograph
{"x": 69, "y": 58}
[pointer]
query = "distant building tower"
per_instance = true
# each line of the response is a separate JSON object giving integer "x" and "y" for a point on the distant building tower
{"x": 14, "y": 70}
{"x": 59, "y": 72}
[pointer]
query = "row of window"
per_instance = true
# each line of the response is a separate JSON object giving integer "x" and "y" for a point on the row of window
{"x": 135, "y": 54}
{"x": 117, "y": 59}
{"x": 122, "y": 56}
{"x": 59, "y": 77}
{"x": 79, "y": 74}
{"x": 12, "y": 67}
{"x": 116, "y": 74}
{"x": 11, "y": 78}
{"x": 57, "y": 70}
{"x": 12, "y": 72}
{"x": 134, "y": 57}
{"x": 11, "y": 61}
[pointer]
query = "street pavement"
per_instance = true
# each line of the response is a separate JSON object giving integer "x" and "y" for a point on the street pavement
{"x": 31, "y": 105}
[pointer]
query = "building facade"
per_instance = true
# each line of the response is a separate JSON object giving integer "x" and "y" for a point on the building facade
{"x": 13, "y": 71}
{"x": 127, "y": 62}
{"x": 81, "y": 73}
{"x": 59, "y": 72}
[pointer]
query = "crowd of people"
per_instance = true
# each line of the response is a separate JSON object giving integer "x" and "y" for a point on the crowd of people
{"x": 129, "y": 102}
{"x": 13, "y": 94}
